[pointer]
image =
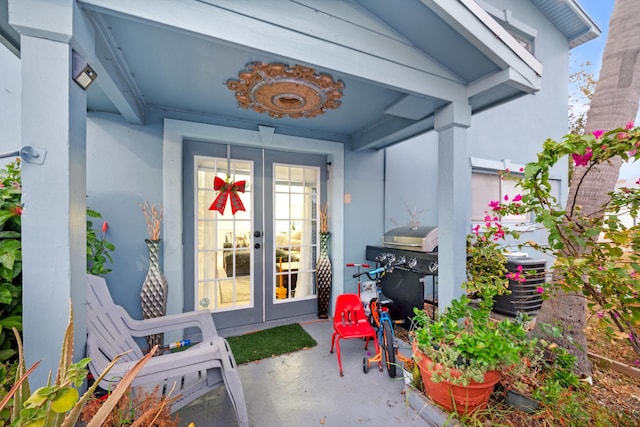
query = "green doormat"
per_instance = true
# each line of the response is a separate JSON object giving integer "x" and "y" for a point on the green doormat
{"x": 270, "y": 342}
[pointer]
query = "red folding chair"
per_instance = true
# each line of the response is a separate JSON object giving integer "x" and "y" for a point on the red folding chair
{"x": 350, "y": 321}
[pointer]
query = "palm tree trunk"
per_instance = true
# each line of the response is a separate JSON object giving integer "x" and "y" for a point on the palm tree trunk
{"x": 614, "y": 103}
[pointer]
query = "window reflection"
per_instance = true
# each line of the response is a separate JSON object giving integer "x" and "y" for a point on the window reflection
{"x": 296, "y": 227}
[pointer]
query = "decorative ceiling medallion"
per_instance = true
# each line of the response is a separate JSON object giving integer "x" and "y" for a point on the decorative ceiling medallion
{"x": 281, "y": 90}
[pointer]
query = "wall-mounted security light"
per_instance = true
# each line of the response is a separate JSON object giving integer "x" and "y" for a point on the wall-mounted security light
{"x": 82, "y": 73}
{"x": 29, "y": 154}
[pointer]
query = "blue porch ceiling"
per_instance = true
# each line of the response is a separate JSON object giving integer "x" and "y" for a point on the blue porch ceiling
{"x": 399, "y": 61}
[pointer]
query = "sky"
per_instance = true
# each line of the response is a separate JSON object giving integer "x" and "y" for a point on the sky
{"x": 600, "y": 12}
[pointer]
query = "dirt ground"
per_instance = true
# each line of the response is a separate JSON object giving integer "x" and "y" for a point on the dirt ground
{"x": 615, "y": 390}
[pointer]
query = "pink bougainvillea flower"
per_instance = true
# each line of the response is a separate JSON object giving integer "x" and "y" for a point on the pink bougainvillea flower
{"x": 540, "y": 289}
{"x": 494, "y": 205}
{"x": 520, "y": 268}
{"x": 516, "y": 277}
{"x": 622, "y": 135}
{"x": 582, "y": 159}
{"x": 597, "y": 133}
{"x": 517, "y": 198}
{"x": 600, "y": 314}
{"x": 476, "y": 229}
{"x": 629, "y": 125}
{"x": 521, "y": 169}
{"x": 105, "y": 227}
{"x": 506, "y": 197}
{"x": 636, "y": 362}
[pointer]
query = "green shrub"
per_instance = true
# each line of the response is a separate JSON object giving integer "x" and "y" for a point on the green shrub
{"x": 10, "y": 259}
{"x": 98, "y": 254}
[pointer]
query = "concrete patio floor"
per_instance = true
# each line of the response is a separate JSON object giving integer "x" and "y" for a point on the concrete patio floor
{"x": 305, "y": 389}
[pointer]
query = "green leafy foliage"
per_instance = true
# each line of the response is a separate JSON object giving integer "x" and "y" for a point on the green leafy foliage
{"x": 98, "y": 248}
{"x": 98, "y": 254}
{"x": 7, "y": 378}
{"x": 465, "y": 339}
{"x": 486, "y": 262}
{"x": 60, "y": 403}
{"x": 596, "y": 255}
{"x": 10, "y": 259}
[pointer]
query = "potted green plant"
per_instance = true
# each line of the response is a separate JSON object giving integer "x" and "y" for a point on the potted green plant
{"x": 521, "y": 380}
{"x": 462, "y": 352}
{"x": 544, "y": 371}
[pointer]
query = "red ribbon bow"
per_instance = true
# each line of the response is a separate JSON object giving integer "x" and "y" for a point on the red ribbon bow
{"x": 227, "y": 190}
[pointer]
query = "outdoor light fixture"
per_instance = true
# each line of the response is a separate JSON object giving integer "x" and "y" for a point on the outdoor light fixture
{"x": 82, "y": 73}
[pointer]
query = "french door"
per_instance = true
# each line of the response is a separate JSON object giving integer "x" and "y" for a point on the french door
{"x": 257, "y": 263}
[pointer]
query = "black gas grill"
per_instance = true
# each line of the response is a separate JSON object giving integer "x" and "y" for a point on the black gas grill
{"x": 407, "y": 288}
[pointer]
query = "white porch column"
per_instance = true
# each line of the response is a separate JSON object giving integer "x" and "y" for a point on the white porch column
{"x": 54, "y": 193}
{"x": 454, "y": 200}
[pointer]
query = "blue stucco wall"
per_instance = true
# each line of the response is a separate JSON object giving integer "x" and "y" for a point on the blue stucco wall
{"x": 10, "y": 93}
{"x": 363, "y": 216}
{"x": 124, "y": 168}
{"x": 515, "y": 130}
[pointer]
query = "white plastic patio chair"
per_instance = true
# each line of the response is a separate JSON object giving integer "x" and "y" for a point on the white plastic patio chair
{"x": 194, "y": 371}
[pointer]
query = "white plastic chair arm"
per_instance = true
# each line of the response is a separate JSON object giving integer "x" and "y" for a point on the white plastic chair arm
{"x": 194, "y": 319}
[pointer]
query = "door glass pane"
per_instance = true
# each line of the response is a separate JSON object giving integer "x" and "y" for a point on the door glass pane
{"x": 296, "y": 231}
{"x": 223, "y": 241}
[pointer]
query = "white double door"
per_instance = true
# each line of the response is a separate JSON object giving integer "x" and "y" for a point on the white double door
{"x": 257, "y": 263}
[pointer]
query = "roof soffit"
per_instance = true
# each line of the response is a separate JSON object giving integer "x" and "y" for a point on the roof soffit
{"x": 337, "y": 41}
{"x": 368, "y": 55}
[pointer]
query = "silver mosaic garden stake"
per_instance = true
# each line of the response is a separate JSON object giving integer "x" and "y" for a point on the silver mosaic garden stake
{"x": 324, "y": 276}
{"x": 153, "y": 295}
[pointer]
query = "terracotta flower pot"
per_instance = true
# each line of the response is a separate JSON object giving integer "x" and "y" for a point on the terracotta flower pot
{"x": 453, "y": 397}
{"x": 421, "y": 359}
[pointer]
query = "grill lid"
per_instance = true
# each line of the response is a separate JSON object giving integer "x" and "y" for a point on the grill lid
{"x": 418, "y": 239}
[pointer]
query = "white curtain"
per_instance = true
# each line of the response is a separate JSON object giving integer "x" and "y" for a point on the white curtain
{"x": 304, "y": 284}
